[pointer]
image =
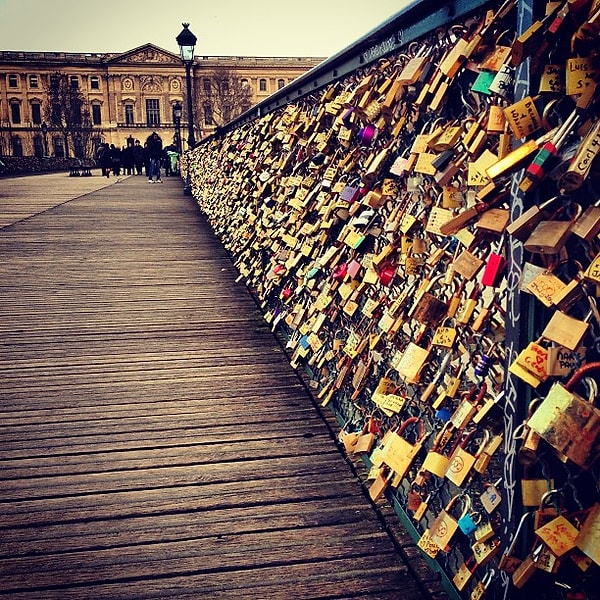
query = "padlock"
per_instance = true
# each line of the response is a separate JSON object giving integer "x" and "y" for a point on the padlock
{"x": 547, "y": 510}
{"x": 559, "y": 535}
{"x": 380, "y": 484}
{"x": 508, "y": 561}
{"x": 461, "y": 461}
{"x": 465, "y": 572}
{"x": 484, "y": 532}
{"x": 543, "y": 160}
{"x": 397, "y": 453}
{"x": 484, "y": 552}
{"x": 569, "y": 423}
{"x": 445, "y": 524}
{"x": 422, "y": 508}
{"x": 491, "y": 497}
{"x": 587, "y": 538}
{"x": 481, "y": 587}
{"x": 467, "y": 306}
{"x": 527, "y": 568}
{"x": 581, "y": 164}
{"x": 435, "y": 461}
{"x": 445, "y": 333}
{"x": 549, "y": 237}
{"x": 517, "y": 158}
{"x": 587, "y": 226}
{"x": 413, "y": 498}
{"x": 566, "y": 330}
{"x": 428, "y": 308}
{"x": 485, "y": 456}
{"x": 468, "y": 263}
{"x": 410, "y": 361}
{"x": 469, "y": 523}
{"x": 522, "y": 227}
{"x": 531, "y": 365}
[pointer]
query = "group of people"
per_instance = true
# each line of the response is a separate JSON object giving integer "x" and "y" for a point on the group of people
{"x": 135, "y": 159}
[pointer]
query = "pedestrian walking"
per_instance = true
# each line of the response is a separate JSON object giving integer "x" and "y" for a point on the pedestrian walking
{"x": 115, "y": 156}
{"x": 155, "y": 153}
{"x": 127, "y": 159}
{"x": 105, "y": 159}
{"x": 138, "y": 157}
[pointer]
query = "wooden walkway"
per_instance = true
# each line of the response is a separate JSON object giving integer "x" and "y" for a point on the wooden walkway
{"x": 154, "y": 441}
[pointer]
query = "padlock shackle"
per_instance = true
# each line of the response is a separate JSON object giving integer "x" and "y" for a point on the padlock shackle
{"x": 581, "y": 373}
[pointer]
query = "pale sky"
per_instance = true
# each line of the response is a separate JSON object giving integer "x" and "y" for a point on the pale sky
{"x": 223, "y": 27}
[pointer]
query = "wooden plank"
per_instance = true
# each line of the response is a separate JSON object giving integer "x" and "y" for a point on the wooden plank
{"x": 154, "y": 440}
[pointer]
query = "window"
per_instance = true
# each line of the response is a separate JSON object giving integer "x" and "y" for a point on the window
{"x": 280, "y": 83}
{"x": 59, "y": 147}
{"x": 34, "y": 81}
{"x": 262, "y": 85}
{"x": 152, "y": 112}
{"x": 129, "y": 114}
{"x": 78, "y": 145}
{"x": 56, "y": 113}
{"x": 74, "y": 82}
{"x": 17, "y": 146}
{"x": 206, "y": 84}
{"x": 227, "y": 113}
{"x": 13, "y": 81}
{"x": 245, "y": 83}
{"x": 76, "y": 112}
{"x": 54, "y": 81}
{"x": 38, "y": 146}
{"x": 36, "y": 113}
{"x": 225, "y": 86}
{"x": 15, "y": 113}
{"x": 208, "y": 114}
{"x": 96, "y": 114}
{"x": 94, "y": 82}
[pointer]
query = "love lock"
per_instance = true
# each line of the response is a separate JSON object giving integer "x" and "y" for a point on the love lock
{"x": 568, "y": 422}
{"x": 445, "y": 524}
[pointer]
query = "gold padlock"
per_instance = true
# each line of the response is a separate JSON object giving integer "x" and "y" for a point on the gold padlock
{"x": 549, "y": 237}
{"x": 569, "y": 423}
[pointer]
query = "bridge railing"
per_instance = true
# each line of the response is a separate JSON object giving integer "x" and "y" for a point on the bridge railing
{"x": 365, "y": 206}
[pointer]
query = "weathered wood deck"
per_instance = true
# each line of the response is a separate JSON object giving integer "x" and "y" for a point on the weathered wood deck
{"x": 154, "y": 441}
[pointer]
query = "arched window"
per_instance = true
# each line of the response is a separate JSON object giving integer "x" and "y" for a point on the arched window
{"x": 15, "y": 112}
{"x": 280, "y": 83}
{"x": 59, "y": 147}
{"x": 36, "y": 113}
{"x": 17, "y": 146}
{"x": 38, "y": 146}
{"x": 262, "y": 85}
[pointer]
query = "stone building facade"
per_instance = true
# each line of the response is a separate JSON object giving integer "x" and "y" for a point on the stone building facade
{"x": 129, "y": 94}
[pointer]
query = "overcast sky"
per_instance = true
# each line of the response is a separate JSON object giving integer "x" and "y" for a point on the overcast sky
{"x": 223, "y": 27}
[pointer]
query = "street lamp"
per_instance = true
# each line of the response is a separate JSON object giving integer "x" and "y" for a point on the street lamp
{"x": 45, "y": 134}
{"x": 177, "y": 111}
{"x": 187, "y": 42}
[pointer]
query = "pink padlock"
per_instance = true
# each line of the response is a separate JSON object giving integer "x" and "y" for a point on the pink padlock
{"x": 367, "y": 134}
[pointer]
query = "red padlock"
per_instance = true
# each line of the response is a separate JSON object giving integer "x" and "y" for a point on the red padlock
{"x": 494, "y": 266}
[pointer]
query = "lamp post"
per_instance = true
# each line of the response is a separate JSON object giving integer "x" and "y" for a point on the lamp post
{"x": 177, "y": 111}
{"x": 45, "y": 134}
{"x": 187, "y": 42}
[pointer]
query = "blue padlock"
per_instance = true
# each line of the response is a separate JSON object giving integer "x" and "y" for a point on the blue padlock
{"x": 468, "y": 523}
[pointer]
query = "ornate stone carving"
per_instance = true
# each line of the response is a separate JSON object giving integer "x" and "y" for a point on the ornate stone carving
{"x": 175, "y": 85}
{"x": 150, "y": 55}
{"x": 150, "y": 83}
{"x": 127, "y": 84}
